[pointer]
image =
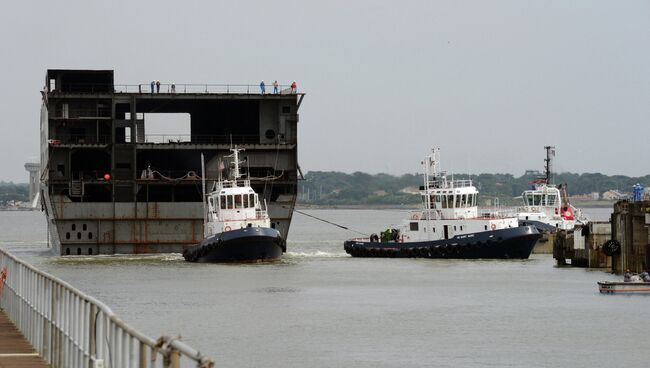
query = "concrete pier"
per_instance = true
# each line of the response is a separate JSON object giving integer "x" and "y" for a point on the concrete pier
{"x": 617, "y": 245}
{"x": 15, "y": 351}
{"x": 630, "y": 222}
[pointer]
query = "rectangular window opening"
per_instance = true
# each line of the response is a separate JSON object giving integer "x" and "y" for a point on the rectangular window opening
{"x": 167, "y": 127}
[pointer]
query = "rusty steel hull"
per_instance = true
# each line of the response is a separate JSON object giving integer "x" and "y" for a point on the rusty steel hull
{"x": 126, "y": 228}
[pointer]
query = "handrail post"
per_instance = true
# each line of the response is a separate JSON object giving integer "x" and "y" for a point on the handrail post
{"x": 92, "y": 331}
{"x": 142, "y": 362}
{"x": 175, "y": 359}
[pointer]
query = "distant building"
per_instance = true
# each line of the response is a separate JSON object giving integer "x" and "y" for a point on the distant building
{"x": 34, "y": 179}
{"x": 593, "y": 196}
{"x": 410, "y": 190}
{"x": 380, "y": 193}
{"x": 534, "y": 173}
{"x": 614, "y": 195}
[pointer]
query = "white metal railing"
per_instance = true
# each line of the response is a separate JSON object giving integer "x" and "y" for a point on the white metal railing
{"x": 71, "y": 329}
{"x": 185, "y": 88}
{"x": 450, "y": 184}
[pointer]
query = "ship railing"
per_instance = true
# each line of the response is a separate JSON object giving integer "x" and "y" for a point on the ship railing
{"x": 80, "y": 139}
{"x": 71, "y": 329}
{"x": 201, "y": 138}
{"x": 205, "y": 88}
{"x": 448, "y": 184}
{"x": 497, "y": 213}
{"x": 63, "y": 112}
{"x": 172, "y": 88}
{"x": 85, "y": 139}
{"x": 261, "y": 214}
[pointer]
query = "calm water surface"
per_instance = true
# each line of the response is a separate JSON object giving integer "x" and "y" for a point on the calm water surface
{"x": 318, "y": 307}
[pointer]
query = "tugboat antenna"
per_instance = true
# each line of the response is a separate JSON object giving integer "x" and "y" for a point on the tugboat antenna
{"x": 235, "y": 155}
{"x": 548, "y": 164}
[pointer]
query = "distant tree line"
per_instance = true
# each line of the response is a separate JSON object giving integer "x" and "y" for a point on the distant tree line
{"x": 336, "y": 188}
{"x": 13, "y": 192}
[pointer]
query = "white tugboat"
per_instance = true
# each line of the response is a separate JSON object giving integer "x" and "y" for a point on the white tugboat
{"x": 238, "y": 227}
{"x": 449, "y": 225}
{"x": 546, "y": 206}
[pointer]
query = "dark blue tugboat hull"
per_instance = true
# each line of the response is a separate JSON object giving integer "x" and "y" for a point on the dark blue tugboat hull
{"x": 242, "y": 245}
{"x": 498, "y": 244}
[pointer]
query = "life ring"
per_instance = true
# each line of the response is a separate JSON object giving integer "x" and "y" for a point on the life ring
{"x": 493, "y": 226}
{"x": 415, "y": 216}
{"x": 227, "y": 228}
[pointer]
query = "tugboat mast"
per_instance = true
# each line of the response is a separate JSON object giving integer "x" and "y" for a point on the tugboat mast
{"x": 548, "y": 162}
{"x": 236, "y": 174}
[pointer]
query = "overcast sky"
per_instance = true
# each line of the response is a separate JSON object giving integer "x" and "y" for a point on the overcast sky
{"x": 490, "y": 82}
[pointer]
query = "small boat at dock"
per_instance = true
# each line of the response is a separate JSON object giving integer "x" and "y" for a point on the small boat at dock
{"x": 238, "y": 227}
{"x": 608, "y": 287}
{"x": 449, "y": 225}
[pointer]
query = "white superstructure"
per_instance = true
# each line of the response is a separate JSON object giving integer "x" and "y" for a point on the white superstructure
{"x": 233, "y": 204}
{"x": 544, "y": 203}
{"x": 449, "y": 208}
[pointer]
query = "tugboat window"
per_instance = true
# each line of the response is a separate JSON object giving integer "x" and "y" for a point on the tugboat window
{"x": 230, "y": 202}
{"x": 245, "y": 201}
{"x": 238, "y": 201}
{"x": 413, "y": 226}
{"x": 252, "y": 199}
{"x": 222, "y": 201}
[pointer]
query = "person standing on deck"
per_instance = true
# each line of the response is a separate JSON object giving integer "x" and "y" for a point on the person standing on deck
{"x": 157, "y": 86}
{"x": 173, "y": 87}
{"x": 153, "y": 83}
{"x": 275, "y": 87}
{"x": 262, "y": 87}
{"x": 294, "y": 87}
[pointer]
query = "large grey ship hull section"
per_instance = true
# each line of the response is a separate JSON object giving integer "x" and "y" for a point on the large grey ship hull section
{"x": 90, "y": 132}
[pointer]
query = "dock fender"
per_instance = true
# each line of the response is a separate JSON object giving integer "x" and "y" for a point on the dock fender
{"x": 612, "y": 247}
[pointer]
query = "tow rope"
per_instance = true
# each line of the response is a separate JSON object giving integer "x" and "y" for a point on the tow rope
{"x": 330, "y": 222}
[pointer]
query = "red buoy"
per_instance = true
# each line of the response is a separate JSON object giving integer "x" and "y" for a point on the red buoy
{"x": 107, "y": 176}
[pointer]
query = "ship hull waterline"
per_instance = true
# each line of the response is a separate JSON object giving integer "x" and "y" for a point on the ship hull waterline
{"x": 511, "y": 243}
{"x": 249, "y": 244}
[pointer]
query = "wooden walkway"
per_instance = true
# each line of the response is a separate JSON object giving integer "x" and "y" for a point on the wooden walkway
{"x": 15, "y": 350}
